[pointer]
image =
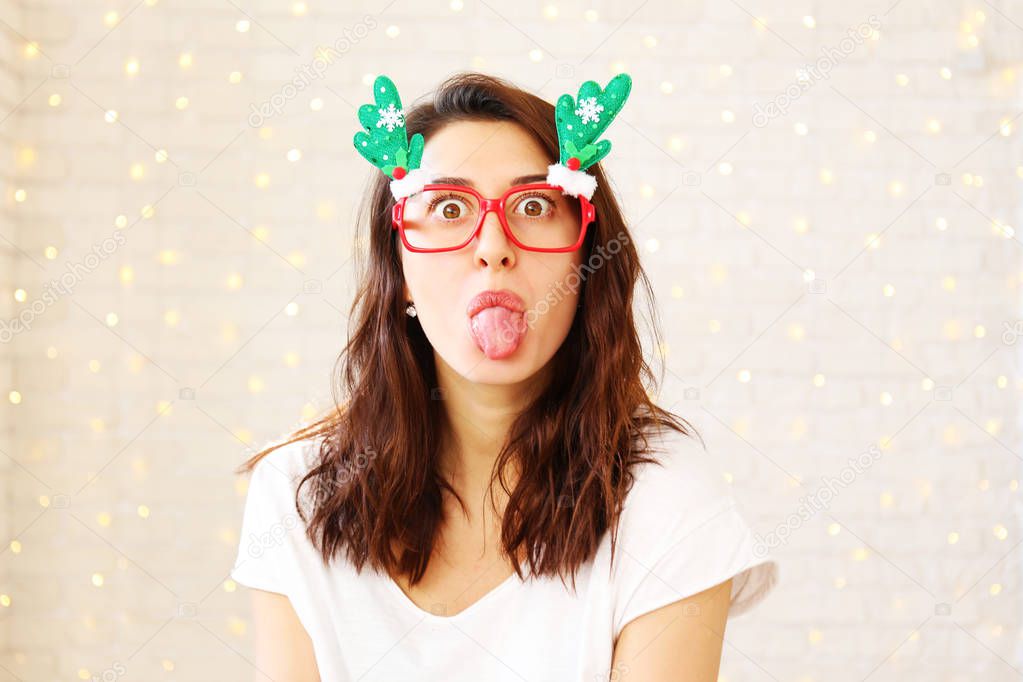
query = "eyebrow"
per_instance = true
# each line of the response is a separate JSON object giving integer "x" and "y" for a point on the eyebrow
{"x": 466, "y": 182}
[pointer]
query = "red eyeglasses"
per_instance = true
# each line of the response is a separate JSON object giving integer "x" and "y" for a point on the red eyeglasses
{"x": 535, "y": 217}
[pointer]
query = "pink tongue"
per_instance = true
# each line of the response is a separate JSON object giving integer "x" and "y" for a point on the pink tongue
{"x": 498, "y": 331}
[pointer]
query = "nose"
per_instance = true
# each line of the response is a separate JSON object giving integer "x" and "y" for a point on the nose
{"x": 492, "y": 245}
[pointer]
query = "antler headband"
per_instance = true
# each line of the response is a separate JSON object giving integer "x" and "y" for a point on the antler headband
{"x": 580, "y": 121}
{"x": 385, "y": 143}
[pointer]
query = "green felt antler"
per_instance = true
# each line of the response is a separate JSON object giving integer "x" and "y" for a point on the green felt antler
{"x": 580, "y": 121}
{"x": 384, "y": 142}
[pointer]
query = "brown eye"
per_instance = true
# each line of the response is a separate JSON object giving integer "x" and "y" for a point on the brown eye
{"x": 452, "y": 208}
{"x": 535, "y": 207}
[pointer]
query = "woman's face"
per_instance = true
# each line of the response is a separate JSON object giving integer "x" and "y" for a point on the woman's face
{"x": 490, "y": 155}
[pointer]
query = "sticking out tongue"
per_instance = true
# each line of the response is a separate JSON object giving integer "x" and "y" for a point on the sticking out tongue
{"x": 498, "y": 331}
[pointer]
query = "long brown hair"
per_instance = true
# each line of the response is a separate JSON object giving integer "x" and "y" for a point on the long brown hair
{"x": 375, "y": 485}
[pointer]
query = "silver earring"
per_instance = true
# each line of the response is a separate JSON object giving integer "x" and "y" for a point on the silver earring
{"x": 410, "y": 309}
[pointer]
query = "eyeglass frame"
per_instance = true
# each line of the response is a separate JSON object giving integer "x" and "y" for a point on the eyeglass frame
{"x": 588, "y": 214}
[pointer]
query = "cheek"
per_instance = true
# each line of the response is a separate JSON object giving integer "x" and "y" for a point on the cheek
{"x": 433, "y": 280}
{"x": 557, "y": 288}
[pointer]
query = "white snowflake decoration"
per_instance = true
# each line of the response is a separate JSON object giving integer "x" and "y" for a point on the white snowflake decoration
{"x": 589, "y": 110}
{"x": 391, "y": 117}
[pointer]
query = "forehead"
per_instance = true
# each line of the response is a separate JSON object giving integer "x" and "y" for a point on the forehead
{"x": 489, "y": 153}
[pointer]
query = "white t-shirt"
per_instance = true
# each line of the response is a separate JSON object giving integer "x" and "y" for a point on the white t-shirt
{"x": 680, "y": 533}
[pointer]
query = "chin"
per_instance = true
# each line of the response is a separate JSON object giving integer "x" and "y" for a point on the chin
{"x": 464, "y": 357}
{"x": 471, "y": 363}
{"x": 517, "y": 365}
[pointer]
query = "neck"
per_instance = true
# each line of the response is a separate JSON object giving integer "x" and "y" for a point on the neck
{"x": 479, "y": 417}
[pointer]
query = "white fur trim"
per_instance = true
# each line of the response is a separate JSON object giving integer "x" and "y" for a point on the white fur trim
{"x": 574, "y": 182}
{"x": 413, "y": 182}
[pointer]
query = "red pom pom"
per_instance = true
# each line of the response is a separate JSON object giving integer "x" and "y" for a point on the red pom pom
{"x": 398, "y": 173}
{"x": 573, "y": 163}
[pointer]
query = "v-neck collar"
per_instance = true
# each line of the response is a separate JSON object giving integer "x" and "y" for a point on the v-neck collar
{"x": 410, "y": 605}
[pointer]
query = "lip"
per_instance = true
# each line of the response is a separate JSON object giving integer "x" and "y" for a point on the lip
{"x": 506, "y": 298}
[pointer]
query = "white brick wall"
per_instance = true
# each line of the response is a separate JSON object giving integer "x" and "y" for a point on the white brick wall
{"x": 10, "y": 93}
{"x": 223, "y": 269}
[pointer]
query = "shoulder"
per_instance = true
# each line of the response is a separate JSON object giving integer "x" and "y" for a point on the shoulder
{"x": 681, "y": 532}
{"x": 683, "y": 487}
{"x": 277, "y": 475}
{"x": 270, "y": 539}
{"x": 291, "y": 459}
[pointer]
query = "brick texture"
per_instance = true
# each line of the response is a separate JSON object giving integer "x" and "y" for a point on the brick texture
{"x": 825, "y": 196}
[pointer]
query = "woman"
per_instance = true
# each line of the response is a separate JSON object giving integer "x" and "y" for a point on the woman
{"x": 497, "y": 498}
